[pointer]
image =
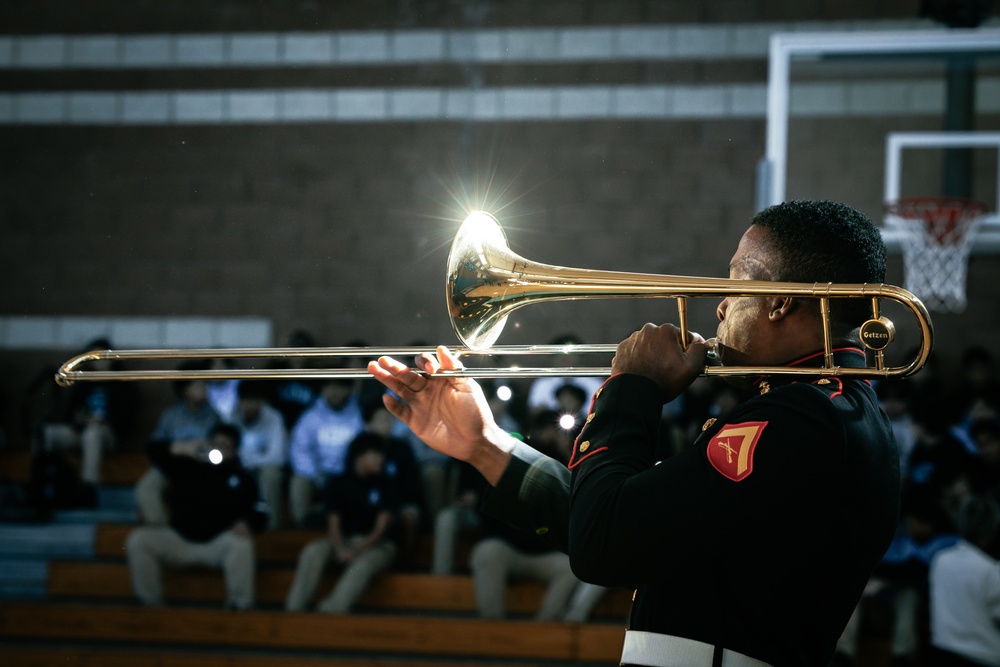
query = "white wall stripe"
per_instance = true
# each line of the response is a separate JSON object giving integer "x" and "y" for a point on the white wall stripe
{"x": 41, "y": 332}
{"x": 300, "y": 49}
{"x": 185, "y": 107}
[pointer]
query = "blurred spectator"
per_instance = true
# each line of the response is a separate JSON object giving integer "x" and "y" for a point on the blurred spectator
{"x": 264, "y": 451}
{"x": 978, "y": 393}
{"x": 552, "y": 432}
{"x": 940, "y": 467}
{"x": 542, "y": 394}
{"x": 222, "y": 394}
{"x": 965, "y": 591}
{"x": 361, "y": 509}
{"x": 506, "y": 552}
{"x": 433, "y": 468}
{"x": 214, "y": 511}
{"x": 401, "y": 467}
{"x": 901, "y": 579}
{"x": 985, "y": 434}
{"x": 461, "y": 518}
{"x": 896, "y": 399}
{"x": 289, "y": 396}
{"x": 506, "y": 404}
{"x": 92, "y": 417}
{"x": 319, "y": 442}
{"x": 188, "y": 422}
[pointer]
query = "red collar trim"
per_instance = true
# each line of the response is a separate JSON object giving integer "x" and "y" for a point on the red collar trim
{"x": 813, "y": 357}
{"x": 817, "y": 355}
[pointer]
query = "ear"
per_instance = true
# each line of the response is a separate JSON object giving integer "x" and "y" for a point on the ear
{"x": 780, "y": 307}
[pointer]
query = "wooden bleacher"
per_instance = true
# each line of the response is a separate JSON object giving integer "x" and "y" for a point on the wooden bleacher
{"x": 117, "y": 468}
{"x": 35, "y": 656}
{"x": 352, "y": 634}
{"x": 392, "y": 591}
{"x": 89, "y": 618}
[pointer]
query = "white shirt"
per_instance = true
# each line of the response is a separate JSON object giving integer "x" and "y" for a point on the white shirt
{"x": 542, "y": 394}
{"x": 264, "y": 442}
{"x": 965, "y": 603}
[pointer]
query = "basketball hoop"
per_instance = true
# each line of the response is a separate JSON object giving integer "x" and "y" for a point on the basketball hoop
{"x": 936, "y": 234}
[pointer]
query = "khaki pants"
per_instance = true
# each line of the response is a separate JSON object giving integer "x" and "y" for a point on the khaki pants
{"x": 905, "y": 640}
{"x": 149, "y": 548}
{"x": 353, "y": 581}
{"x": 150, "y": 499}
{"x": 494, "y": 561}
{"x": 270, "y": 481}
{"x": 302, "y": 494}
{"x": 451, "y": 522}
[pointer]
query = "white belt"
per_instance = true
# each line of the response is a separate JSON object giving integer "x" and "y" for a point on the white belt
{"x": 655, "y": 650}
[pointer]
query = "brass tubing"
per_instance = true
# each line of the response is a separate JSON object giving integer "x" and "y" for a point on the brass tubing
{"x": 487, "y": 281}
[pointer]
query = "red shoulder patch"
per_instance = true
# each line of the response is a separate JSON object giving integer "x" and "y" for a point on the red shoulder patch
{"x": 730, "y": 451}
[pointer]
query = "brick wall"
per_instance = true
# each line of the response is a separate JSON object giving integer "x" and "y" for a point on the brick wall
{"x": 343, "y": 228}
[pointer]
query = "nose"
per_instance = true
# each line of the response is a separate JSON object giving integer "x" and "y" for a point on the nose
{"x": 720, "y": 312}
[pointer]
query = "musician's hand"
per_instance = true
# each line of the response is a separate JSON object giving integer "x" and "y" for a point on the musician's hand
{"x": 449, "y": 414}
{"x": 656, "y": 352}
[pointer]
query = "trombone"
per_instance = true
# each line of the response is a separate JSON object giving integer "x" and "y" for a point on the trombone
{"x": 487, "y": 281}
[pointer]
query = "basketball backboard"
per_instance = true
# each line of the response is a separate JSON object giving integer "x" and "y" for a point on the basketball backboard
{"x": 869, "y": 117}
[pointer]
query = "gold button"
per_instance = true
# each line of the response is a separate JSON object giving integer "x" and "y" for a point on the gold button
{"x": 541, "y": 531}
{"x": 598, "y": 392}
{"x": 708, "y": 424}
{"x": 584, "y": 446}
{"x": 590, "y": 417}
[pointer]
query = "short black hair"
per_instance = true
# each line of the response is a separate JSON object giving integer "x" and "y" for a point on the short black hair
{"x": 228, "y": 431}
{"x": 826, "y": 241}
{"x": 254, "y": 389}
{"x": 976, "y": 518}
{"x": 180, "y": 386}
{"x": 366, "y": 442}
{"x": 573, "y": 389}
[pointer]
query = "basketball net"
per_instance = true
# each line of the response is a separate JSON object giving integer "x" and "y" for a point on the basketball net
{"x": 936, "y": 234}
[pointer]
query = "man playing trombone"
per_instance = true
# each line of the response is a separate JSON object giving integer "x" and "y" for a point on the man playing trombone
{"x": 751, "y": 547}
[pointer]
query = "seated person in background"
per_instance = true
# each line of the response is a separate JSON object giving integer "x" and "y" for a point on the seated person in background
{"x": 214, "y": 511}
{"x": 89, "y": 416}
{"x": 291, "y": 396}
{"x": 187, "y": 422}
{"x": 401, "y": 466}
{"x": 319, "y": 442}
{"x": 362, "y": 505}
{"x": 264, "y": 451}
{"x": 460, "y": 518}
{"x": 507, "y": 552}
{"x": 223, "y": 395}
{"x": 900, "y": 579}
{"x": 986, "y": 476}
{"x": 965, "y": 591}
{"x": 542, "y": 394}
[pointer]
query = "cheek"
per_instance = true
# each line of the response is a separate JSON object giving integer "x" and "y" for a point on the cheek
{"x": 738, "y": 325}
